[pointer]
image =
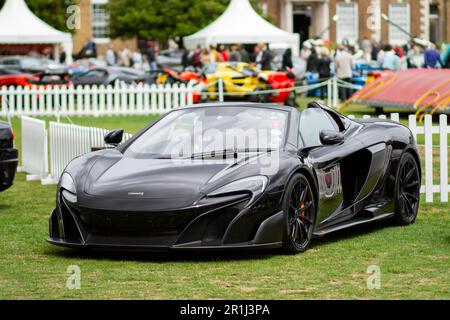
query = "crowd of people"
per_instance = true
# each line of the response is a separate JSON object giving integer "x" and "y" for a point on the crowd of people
{"x": 320, "y": 62}
{"x": 144, "y": 58}
{"x": 260, "y": 56}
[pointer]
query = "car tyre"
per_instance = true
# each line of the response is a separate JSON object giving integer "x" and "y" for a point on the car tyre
{"x": 292, "y": 101}
{"x": 407, "y": 190}
{"x": 299, "y": 209}
{"x": 259, "y": 97}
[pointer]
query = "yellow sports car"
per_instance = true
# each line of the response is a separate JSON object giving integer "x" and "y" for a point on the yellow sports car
{"x": 242, "y": 79}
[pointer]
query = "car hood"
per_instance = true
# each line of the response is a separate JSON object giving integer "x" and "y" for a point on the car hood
{"x": 125, "y": 177}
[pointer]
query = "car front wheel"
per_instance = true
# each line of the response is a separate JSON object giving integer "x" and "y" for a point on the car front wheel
{"x": 300, "y": 214}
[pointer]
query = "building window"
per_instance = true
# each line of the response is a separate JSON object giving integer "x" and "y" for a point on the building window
{"x": 347, "y": 22}
{"x": 100, "y": 20}
{"x": 399, "y": 13}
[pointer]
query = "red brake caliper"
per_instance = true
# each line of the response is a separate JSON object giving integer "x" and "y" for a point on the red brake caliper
{"x": 302, "y": 212}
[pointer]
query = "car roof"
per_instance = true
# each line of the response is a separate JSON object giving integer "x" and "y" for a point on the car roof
{"x": 243, "y": 104}
{"x": 23, "y": 58}
{"x": 119, "y": 71}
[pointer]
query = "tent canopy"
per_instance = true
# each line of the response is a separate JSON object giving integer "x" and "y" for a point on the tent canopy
{"x": 18, "y": 25}
{"x": 241, "y": 24}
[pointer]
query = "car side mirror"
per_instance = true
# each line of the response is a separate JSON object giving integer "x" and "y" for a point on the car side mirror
{"x": 331, "y": 137}
{"x": 114, "y": 137}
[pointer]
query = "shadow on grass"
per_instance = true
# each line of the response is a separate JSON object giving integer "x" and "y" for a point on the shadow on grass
{"x": 448, "y": 240}
{"x": 161, "y": 256}
{"x": 210, "y": 255}
{"x": 4, "y": 206}
{"x": 354, "y": 232}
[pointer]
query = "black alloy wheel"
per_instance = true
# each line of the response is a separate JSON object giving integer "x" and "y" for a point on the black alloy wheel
{"x": 300, "y": 214}
{"x": 407, "y": 191}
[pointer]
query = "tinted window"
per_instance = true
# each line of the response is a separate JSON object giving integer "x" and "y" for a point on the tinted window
{"x": 312, "y": 121}
{"x": 10, "y": 62}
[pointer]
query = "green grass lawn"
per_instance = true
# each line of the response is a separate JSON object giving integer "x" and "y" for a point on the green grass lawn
{"x": 414, "y": 260}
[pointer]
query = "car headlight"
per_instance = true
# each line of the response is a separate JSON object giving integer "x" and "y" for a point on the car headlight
{"x": 68, "y": 187}
{"x": 256, "y": 185}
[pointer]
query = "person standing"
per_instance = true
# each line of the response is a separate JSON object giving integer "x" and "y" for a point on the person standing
{"x": 90, "y": 50}
{"x": 224, "y": 53}
{"x": 375, "y": 51}
{"x": 110, "y": 56}
{"x": 390, "y": 61}
{"x": 151, "y": 57}
{"x": 263, "y": 58}
{"x": 324, "y": 69}
{"x": 205, "y": 57}
{"x": 432, "y": 57}
{"x": 243, "y": 54}
{"x": 137, "y": 60}
{"x": 63, "y": 55}
{"x": 366, "y": 46}
{"x": 214, "y": 55}
{"x": 312, "y": 70}
{"x": 343, "y": 64}
{"x": 235, "y": 56}
{"x": 312, "y": 64}
{"x": 399, "y": 51}
{"x": 185, "y": 58}
{"x": 196, "y": 57}
{"x": 306, "y": 51}
{"x": 125, "y": 57}
{"x": 287, "y": 60}
{"x": 380, "y": 54}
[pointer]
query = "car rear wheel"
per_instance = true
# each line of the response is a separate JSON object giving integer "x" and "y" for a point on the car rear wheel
{"x": 258, "y": 97}
{"x": 292, "y": 101}
{"x": 300, "y": 214}
{"x": 407, "y": 190}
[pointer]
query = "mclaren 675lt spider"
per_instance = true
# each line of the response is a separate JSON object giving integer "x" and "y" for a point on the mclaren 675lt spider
{"x": 237, "y": 176}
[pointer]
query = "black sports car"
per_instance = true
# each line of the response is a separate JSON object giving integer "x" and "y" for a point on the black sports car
{"x": 8, "y": 156}
{"x": 237, "y": 175}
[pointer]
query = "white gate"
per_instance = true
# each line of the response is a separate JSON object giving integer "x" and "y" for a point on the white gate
{"x": 34, "y": 151}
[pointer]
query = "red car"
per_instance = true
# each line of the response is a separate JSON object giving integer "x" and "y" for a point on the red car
{"x": 17, "y": 79}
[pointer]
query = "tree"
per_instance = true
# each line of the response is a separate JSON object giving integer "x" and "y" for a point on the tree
{"x": 53, "y": 12}
{"x": 163, "y": 19}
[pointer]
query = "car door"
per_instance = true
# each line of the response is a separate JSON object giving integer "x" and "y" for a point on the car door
{"x": 327, "y": 162}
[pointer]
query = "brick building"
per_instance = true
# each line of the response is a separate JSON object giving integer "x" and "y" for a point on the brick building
{"x": 95, "y": 24}
{"x": 355, "y": 19}
{"x": 332, "y": 19}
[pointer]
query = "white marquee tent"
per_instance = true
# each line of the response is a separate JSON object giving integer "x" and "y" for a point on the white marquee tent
{"x": 241, "y": 24}
{"x": 18, "y": 25}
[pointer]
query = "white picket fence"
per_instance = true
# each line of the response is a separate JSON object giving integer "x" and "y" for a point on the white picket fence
{"x": 120, "y": 99}
{"x": 34, "y": 148}
{"x": 428, "y": 130}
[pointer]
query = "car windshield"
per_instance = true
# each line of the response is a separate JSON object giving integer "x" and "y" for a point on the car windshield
{"x": 210, "y": 68}
{"x": 211, "y": 131}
